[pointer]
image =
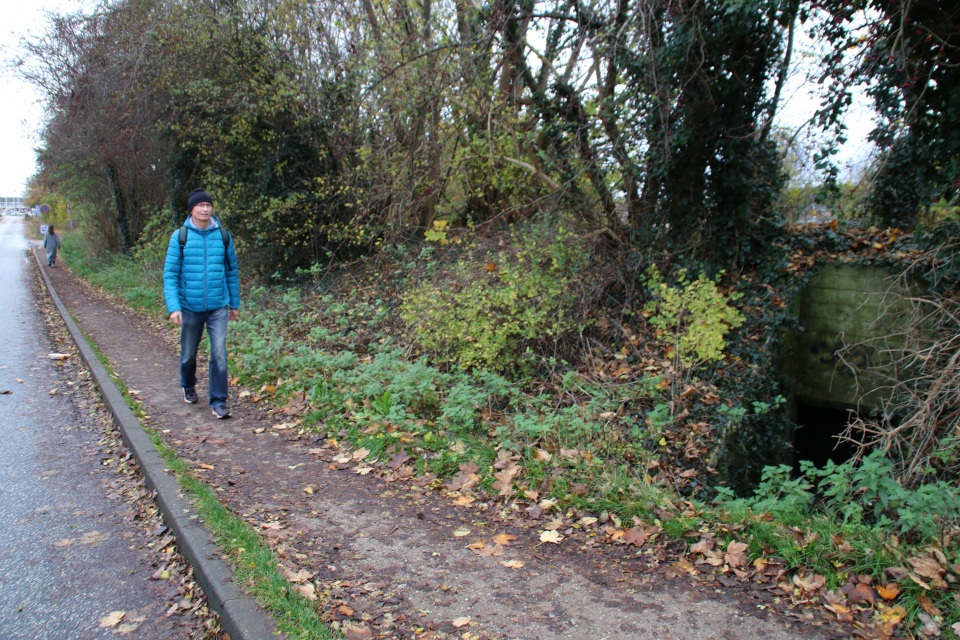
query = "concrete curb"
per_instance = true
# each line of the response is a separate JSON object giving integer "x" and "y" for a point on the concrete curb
{"x": 239, "y": 615}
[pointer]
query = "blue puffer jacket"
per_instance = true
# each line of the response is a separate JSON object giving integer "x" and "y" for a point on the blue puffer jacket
{"x": 203, "y": 282}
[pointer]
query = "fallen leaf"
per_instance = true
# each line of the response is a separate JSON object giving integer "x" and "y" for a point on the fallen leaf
{"x": 351, "y": 632}
{"x": 513, "y": 564}
{"x": 206, "y": 466}
{"x": 862, "y": 593}
{"x": 345, "y": 610}
{"x": 810, "y": 582}
{"x": 890, "y": 591}
{"x": 459, "y": 533}
{"x": 307, "y": 590}
{"x": 506, "y": 539}
{"x": 398, "y": 459}
{"x": 635, "y": 536}
{"x": 94, "y": 538}
{"x": 465, "y": 501}
{"x": 308, "y": 489}
{"x": 735, "y": 555}
{"x": 361, "y": 453}
{"x": 58, "y": 356}
{"x": 112, "y": 619}
{"x": 927, "y": 604}
{"x": 930, "y": 628}
{"x": 551, "y": 536}
{"x": 461, "y": 621}
{"x": 704, "y": 546}
{"x": 126, "y": 628}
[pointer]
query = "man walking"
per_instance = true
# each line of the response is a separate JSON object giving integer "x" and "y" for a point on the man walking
{"x": 202, "y": 289}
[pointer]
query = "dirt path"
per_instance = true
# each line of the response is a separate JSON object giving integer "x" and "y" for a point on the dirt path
{"x": 387, "y": 554}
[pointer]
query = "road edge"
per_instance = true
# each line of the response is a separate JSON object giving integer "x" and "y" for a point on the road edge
{"x": 240, "y": 615}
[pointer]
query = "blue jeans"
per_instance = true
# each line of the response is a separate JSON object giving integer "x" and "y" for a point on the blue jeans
{"x": 190, "y": 333}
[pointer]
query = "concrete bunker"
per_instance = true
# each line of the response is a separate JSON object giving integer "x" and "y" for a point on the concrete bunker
{"x": 843, "y": 305}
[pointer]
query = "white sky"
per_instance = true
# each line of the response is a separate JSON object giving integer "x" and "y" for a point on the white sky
{"x": 21, "y": 112}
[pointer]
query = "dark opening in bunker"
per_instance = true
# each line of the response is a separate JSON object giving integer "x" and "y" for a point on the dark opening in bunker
{"x": 816, "y": 435}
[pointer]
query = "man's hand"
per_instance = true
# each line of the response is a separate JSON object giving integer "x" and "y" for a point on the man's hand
{"x": 176, "y": 318}
{"x": 233, "y": 314}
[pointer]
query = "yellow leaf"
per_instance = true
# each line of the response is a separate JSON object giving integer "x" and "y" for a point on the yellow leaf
{"x": 505, "y": 539}
{"x": 459, "y": 533}
{"x": 308, "y": 490}
{"x": 206, "y": 466}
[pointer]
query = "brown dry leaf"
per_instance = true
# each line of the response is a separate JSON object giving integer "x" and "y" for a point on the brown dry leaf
{"x": 895, "y": 573}
{"x": 862, "y": 593}
{"x": 463, "y": 620}
{"x": 398, "y": 459}
{"x": 704, "y": 546}
{"x": 505, "y": 539}
{"x": 345, "y": 610}
{"x": 297, "y": 577}
{"x": 956, "y": 628}
{"x": 351, "y": 632}
{"x": 406, "y": 471}
{"x": 360, "y": 454}
{"x": 465, "y": 501}
{"x": 475, "y": 546}
{"x": 930, "y": 628}
{"x": 926, "y": 566}
{"x": 513, "y": 564}
{"x": 463, "y": 481}
{"x": 635, "y": 536}
{"x": 126, "y": 628}
{"x": 890, "y": 591}
{"x": 551, "y": 536}
{"x": 543, "y": 455}
{"x": 809, "y": 583}
{"x": 307, "y": 590}
{"x": 736, "y": 554}
{"x": 112, "y": 619}
{"x": 94, "y": 538}
{"x": 677, "y": 569}
{"x": 927, "y": 604}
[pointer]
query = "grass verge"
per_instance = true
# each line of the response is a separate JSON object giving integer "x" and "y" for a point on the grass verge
{"x": 254, "y": 564}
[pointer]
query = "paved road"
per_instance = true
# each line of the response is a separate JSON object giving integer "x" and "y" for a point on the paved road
{"x": 68, "y": 552}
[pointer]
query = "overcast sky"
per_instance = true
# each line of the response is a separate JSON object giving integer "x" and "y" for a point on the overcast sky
{"x": 20, "y": 109}
{"x": 21, "y": 112}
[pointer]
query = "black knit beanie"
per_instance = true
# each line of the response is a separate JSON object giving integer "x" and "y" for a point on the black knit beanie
{"x": 196, "y": 197}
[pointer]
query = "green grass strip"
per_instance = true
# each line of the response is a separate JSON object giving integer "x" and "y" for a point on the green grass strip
{"x": 253, "y": 561}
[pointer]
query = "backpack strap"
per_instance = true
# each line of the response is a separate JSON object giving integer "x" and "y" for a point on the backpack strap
{"x": 182, "y": 239}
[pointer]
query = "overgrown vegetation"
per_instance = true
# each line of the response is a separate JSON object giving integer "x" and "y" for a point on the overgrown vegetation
{"x": 632, "y": 425}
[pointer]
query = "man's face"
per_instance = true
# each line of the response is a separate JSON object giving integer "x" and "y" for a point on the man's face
{"x": 201, "y": 213}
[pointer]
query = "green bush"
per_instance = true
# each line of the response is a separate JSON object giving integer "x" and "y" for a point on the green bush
{"x": 865, "y": 492}
{"x": 696, "y": 315}
{"x": 483, "y": 320}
